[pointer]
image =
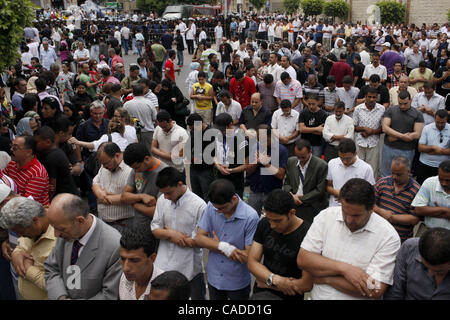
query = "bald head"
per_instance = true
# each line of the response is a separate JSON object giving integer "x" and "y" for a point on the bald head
{"x": 403, "y": 82}
{"x": 69, "y": 205}
{"x": 256, "y": 101}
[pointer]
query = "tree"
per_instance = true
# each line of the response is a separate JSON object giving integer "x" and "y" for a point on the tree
{"x": 15, "y": 15}
{"x": 448, "y": 15}
{"x": 312, "y": 7}
{"x": 336, "y": 8}
{"x": 291, "y": 5}
{"x": 258, "y": 4}
{"x": 392, "y": 12}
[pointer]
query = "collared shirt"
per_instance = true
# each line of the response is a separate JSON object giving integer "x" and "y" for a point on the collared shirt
{"x": 330, "y": 96}
{"x": 127, "y": 289}
{"x": 430, "y": 192}
{"x": 152, "y": 97}
{"x": 290, "y": 92}
{"x": 31, "y": 180}
{"x": 171, "y": 142}
{"x": 81, "y": 54}
{"x": 432, "y": 136}
{"x": 144, "y": 110}
{"x": 32, "y": 287}
{"x": 399, "y": 203}
{"x": 372, "y": 248}
{"x": 238, "y": 230}
{"x": 332, "y": 127}
{"x": 89, "y": 132}
{"x": 412, "y": 60}
{"x": 48, "y": 57}
{"x": 275, "y": 71}
{"x": 114, "y": 182}
{"x": 412, "y": 280}
{"x": 340, "y": 174}
{"x": 303, "y": 170}
{"x": 348, "y": 97}
{"x": 436, "y": 102}
{"x": 363, "y": 117}
{"x": 252, "y": 121}
{"x": 234, "y": 110}
{"x": 85, "y": 239}
{"x": 182, "y": 216}
{"x": 285, "y": 125}
{"x": 291, "y": 72}
{"x": 370, "y": 70}
{"x": 415, "y": 73}
{"x": 394, "y": 91}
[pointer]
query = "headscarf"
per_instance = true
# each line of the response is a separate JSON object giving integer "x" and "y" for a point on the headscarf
{"x": 194, "y": 66}
{"x": 23, "y": 127}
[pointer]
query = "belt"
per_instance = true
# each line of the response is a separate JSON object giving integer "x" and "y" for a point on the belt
{"x": 120, "y": 222}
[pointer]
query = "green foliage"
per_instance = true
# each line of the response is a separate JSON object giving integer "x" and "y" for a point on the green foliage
{"x": 392, "y": 11}
{"x": 336, "y": 8}
{"x": 291, "y": 5}
{"x": 15, "y": 15}
{"x": 258, "y": 4}
{"x": 448, "y": 15}
{"x": 312, "y": 7}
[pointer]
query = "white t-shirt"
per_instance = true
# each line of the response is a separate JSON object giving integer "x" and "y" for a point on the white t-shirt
{"x": 115, "y": 137}
{"x": 171, "y": 142}
{"x": 125, "y": 32}
{"x": 218, "y": 31}
{"x": 34, "y": 48}
{"x": 234, "y": 110}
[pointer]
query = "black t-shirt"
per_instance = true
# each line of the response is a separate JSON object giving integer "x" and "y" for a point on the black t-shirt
{"x": 199, "y": 154}
{"x": 57, "y": 165}
{"x": 69, "y": 151}
{"x": 311, "y": 120}
{"x": 280, "y": 252}
{"x": 225, "y": 52}
{"x": 180, "y": 44}
{"x": 382, "y": 97}
{"x": 358, "y": 71}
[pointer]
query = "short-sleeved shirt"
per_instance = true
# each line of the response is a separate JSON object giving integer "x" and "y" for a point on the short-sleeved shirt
{"x": 403, "y": 122}
{"x": 238, "y": 230}
{"x": 363, "y": 117}
{"x": 171, "y": 73}
{"x": 430, "y": 192}
{"x": 158, "y": 51}
{"x": 436, "y": 102}
{"x": 145, "y": 182}
{"x": 205, "y": 90}
{"x": 382, "y": 96}
{"x": 234, "y": 110}
{"x": 431, "y": 136}
{"x": 247, "y": 118}
{"x": 84, "y": 78}
{"x": 280, "y": 252}
{"x": 171, "y": 142}
{"x": 312, "y": 119}
{"x": 399, "y": 203}
{"x": 372, "y": 248}
{"x": 290, "y": 92}
{"x": 285, "y": 125}
{"x": 243, "y": 91}
{"x": 57, "y": 165}
{"x": 144, "y": 110}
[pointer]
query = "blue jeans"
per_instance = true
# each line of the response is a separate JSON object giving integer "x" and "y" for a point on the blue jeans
{"x": 139, "y": 45}
{"x": 216, "y": 294}
{"x": 95, "y": 52}
{"x": 180, "y": 58}
{"x": 224, "y": 66}
{"x": 125, "y": 45}
{"x": 388, "y": 154}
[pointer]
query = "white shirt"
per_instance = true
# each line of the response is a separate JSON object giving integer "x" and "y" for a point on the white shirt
{"x": 114, "y": 183}
{"x": 34, "y": 48}
{"x": 116, "y": 137}
{"x": 26, "y": 58}
{"x": 271, "y": 30}
{"x": 171, "y": 142}
{"x": 332, "y": 127}
{"x": 340, "y": 174}
{"x": 234, "y": 110}
{"x": 218, "y": 31}
{"x": 373, "y": 248}
{"x": 348, "y": 97}
{"x": 117, "y": 35}
{"x": 127, "y": 289}
{"x": 84, "y": 240}
{"x": 202, "y": 36}
{"x": 370, "y": 70}
{"x": 275, "y": 71}
{"x": 326, "y": 34}
{"x": 130, "y": 134}
{"x": 144, "y": 110}
{"x": 303, "y": 170}
{"x": 291, "y": 72}
{"x": 365, "y": 57}
{"x": 285, "y": 125}
{"x": 125, "y": 32}
{"x": 182, "y": 216}
{"x": 436, "y": 103}
{"x": 243, "y": 54}
{"x": 81, "y": 54}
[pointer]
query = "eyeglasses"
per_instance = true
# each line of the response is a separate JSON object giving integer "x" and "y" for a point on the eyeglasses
{"x": 15, "y": 147}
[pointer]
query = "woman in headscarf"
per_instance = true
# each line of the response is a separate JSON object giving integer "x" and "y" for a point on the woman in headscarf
{"x": 26, "y": 127}
{"x": 168, "y": 96}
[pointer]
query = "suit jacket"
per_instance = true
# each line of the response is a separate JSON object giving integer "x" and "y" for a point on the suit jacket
{"x": 315, "y": 186}
{"x": 99, "y": 264}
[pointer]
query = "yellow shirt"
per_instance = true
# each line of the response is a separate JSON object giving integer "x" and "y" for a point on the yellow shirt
{"x": 415, "y": 74}
{"x": 32, "y": 287}
{"x": 204, "y": 90}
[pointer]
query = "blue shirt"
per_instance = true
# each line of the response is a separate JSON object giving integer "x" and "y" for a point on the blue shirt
{"x": 88, "y": 132}
{"x": 431, "y": 136}
{"x": 224, "y": 273}
{"x": 265, "y": 183}
{"x": 16, "y": 101}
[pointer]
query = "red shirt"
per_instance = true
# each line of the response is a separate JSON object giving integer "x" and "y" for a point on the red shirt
{"x": 242, "y": 92}
{"x": 115, "y": 60}
{"x": 32, "y": 180}
{"x": 169, "y": 65}
{"x": 340, "y": 69}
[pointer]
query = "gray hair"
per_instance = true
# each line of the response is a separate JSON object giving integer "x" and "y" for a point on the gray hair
{"x": 74, "y": 207}
{"x": 20, "y": 211}
{"x": 402, "y": 160}
{"x": 97, "y": 104}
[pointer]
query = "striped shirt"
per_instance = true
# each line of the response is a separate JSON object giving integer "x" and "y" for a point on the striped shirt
{"x": 399, "y": 203}
{"x": 113, "y": 182}
{"x": 31, "y": 179}
{"x": 290, "y": 92}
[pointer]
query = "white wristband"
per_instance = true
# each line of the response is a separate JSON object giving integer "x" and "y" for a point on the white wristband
{"x": 226, "y": 248}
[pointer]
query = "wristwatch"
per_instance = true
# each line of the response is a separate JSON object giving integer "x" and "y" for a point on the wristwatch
{"x": 269, "y": 281}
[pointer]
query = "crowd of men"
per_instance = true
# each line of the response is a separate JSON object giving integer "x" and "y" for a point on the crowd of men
{"x": 306, "y": 157}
